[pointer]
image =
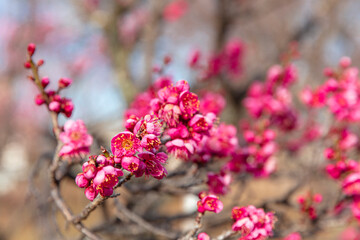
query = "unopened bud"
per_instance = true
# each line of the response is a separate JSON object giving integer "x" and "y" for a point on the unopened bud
{"x": 31, "y": 49}
{"x": 27, "y": 65}
{"x": 45, "y": 81}
{"x": 40, "y": 62}
{"x": 167, "y": 59}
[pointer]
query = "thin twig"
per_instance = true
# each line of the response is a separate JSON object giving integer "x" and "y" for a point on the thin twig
{"x": 191, "y": 234}
{"x": 55, "y": 191}
{"x": 143, "y": 223}
{"x": 226, "y": 234}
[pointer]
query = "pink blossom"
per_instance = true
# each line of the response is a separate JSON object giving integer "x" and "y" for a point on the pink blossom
{"x": 351, "y": 184}
{"x": 181, "y": 148}
{"x": 39, "y": 99}
{"x": 125, "y": 144}
{"x": 81, "y": 180}
{"x": 150, "y": 142}
{"x": 131, "y": 163}
{"x": 91, "y": 192}
{"x": 218, "y": 183}
{"x": 175, "y": 10}
{"x": 44, "y": 82}
{"x": 293, "y": 236}
{"x": 75, "y": 138}
{"x": 210, "y": 203}
{"x": 222, "y": 140}
{"x": 350, "y": 233}
{"x": 253, "y": 223}
{"x": 234, "y": 52}
{"x": 308, "y": 202}
{"x": 55, "y": 106}
{"x": 203, "y": 236}
{"x": 194, "y": 58}
{"x": 65, "y": 82}
{"x": 212, "y": 102}
{"x": 154, "y": 164}
{"x": 150, "y": 124}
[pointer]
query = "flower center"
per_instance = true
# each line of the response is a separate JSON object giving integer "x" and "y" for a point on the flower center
{"x": 127, "y": 144}
{"x": 75, "y": 135}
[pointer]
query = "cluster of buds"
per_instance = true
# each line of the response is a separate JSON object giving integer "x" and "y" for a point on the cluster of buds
{"x": 52, "y": 98}
{"x": 76, "y": 139}
{"x": 258, "y": 155}
{"x": 272, "y": 99}
{"x": 252, "y": 222}
{"x": 228, "y": 60}
{"x": 307, "y": 203}
{"x": 340, "y": 93}
{"x": 218, "y": 183}
{"x": 345, "y": 141}
{"x": 209, "y": 203}
{"x": 261, "y": 148}
{"x": 137, "y": 148}
{"x": 99, "y": 176}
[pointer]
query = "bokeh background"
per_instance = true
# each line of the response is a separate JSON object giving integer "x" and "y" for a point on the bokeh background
{"x": 109, "y": 48}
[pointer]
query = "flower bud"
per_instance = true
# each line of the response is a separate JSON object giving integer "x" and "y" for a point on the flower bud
{"x": 40, "y": 62}
{"x": 345, "y": 62}
{"x": 54, "y": 106}
{"x": 81, "y": 181}
{"x": 45, "y": 81}
{"x": 27, "y": 65}
{"x": 90, "y": 193}
{"x": 64, "y": 82}
{"x": 31, "y": 49}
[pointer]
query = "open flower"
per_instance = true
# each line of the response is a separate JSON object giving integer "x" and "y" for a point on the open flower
{"x": 75, "y": 138}
{"x": 125, "y": 144}
{"x": 209, "y": 203}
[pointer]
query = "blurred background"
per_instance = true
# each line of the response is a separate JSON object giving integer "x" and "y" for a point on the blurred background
{"x": 109, "y": 49}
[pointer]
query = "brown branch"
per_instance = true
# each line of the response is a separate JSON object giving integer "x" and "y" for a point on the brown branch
{"x": 143, "y": 223}
{"x": 191, "y": 234}
{"x": 226, "y": 235}
{"x": 55, "y": 191}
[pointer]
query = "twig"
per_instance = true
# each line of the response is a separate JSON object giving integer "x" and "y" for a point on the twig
{"x": 55, "y": 191}
{"x": 226, "y": 234}
{"x": 192, "y": 232}
{"x": 143, "y": 223}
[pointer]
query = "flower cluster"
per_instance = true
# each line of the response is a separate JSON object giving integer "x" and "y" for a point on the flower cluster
{"x": 99, "y": 176}
{"x": 210, "y": 203}
{"x": 252, "y": 222}
{"x": 137, "y": 148}
{"x": 75, "y": 138}
{"x": 228, "y": 61}
{"x": 52, "y": 98}
{"x": 338, "y": 153}
{"x": 260, "y": 147}
{"x": 273, "y": 99}
{"x": 179, "y": 109}
{"x": 307, "y": 204}
{"x": 340, "y": 93}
